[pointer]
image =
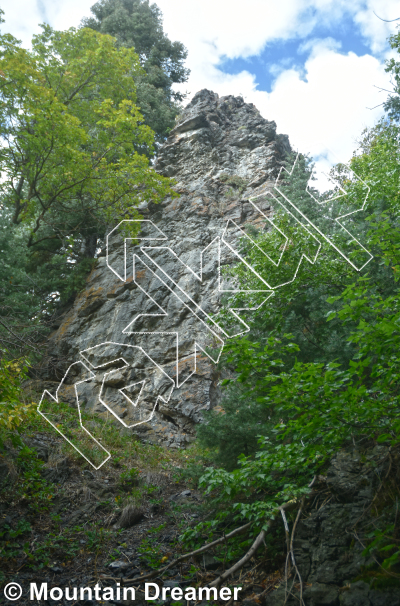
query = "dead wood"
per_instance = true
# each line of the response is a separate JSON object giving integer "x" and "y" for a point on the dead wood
{"x": 130, "y": 516}
{"x": 186, "y": 556}
{"x": 259, "y": 540}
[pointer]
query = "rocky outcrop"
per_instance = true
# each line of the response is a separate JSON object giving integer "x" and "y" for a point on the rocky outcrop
{"x": 333, "y": 531}
{"x": 220, "y": 153}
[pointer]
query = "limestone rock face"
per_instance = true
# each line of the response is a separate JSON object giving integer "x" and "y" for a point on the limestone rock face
{"x": 221, "y": 153}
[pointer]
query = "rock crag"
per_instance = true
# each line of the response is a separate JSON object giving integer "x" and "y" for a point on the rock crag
{"x": 221, "y": 152}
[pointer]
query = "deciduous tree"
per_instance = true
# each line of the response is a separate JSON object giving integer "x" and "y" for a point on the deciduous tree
{"x": 74, "y": 156}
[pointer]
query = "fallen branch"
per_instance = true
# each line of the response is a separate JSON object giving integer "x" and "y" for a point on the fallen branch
{"x": 287, "y": 559}
{"x": 186, "y": 556}
{"x": 245, "y": 558}
{"x": 259, "y": 540}
{"x": 290, "y": 552}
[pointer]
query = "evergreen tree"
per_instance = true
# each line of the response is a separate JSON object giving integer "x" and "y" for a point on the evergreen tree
{"x": 137, "y": 24}
{"x": 233, "y": 431}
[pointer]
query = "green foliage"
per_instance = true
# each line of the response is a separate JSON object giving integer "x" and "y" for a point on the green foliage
{"x": 20, "y": 296}
{"x": 392, "y": 104}
{"x": 9, "y": 546}
{"x": 13, "y": 409}
{"x": 386, "y": 545}
{"x": 74, "y": 159}
{"x": 377, "y": 161}
{"x": 238, "y": 184}
{"x": 129, "y": 478}
{"x": 137, "y": 24}
{"x": 33, "y": 492}
{"x": 149, "y": 548}
{"x": 332, "y": 379}
{"x": 31, "y": 489}
{"x": 232, "y": 430}
{"x": 66, "y": 545}
{"x": 299, "y": 307}
{"x": 193, "y": 469}
{"x": 194, "y": 537}
{"x": 96, "y": 538}
{"x": 320, "y": 407}
{"x": 305, "y": 307}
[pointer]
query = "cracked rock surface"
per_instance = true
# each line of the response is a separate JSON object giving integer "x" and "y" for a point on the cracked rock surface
{"x": 221, "y": 153}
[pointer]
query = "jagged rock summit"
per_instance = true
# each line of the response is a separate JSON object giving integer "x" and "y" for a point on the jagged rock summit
{"x": 221, "y": 152}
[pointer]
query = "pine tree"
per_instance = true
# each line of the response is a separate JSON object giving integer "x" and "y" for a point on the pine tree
{"x": 136, "y": 23}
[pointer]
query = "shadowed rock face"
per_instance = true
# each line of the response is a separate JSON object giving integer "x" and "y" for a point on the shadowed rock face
{"x": 220, "y": 153}
{"x": 333, "y": 530}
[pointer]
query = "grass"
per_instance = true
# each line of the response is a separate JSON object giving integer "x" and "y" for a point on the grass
{"x": 38, "y": 538}
{"x": 126, "y": 450}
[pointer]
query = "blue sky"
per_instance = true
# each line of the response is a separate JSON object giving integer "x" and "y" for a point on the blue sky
{"x": 279, "y": 55}
{"x": 313, "y": 66}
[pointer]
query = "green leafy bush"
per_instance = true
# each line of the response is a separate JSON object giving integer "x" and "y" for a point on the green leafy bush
{"x": 13, "y": 409}
{"x": 331, "y": 382}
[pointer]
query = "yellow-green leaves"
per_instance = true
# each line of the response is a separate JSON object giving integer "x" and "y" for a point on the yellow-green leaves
{"x": 13, "y": 410}
{"x": 75, "y": 150}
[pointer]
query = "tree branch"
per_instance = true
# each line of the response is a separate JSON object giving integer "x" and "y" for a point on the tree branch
{"x": 24, "y": 341}
{"x": 259, "y": 540}
{"x": 18, "y": 206}
{"x": 186, "y": 556}
{"x": 386, "y": 20}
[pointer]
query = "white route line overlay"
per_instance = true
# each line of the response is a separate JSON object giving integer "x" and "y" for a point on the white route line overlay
{"x": 197, "y": 307}
{"x": 47, "y": 394}
{"x": 337, "y": 220}
{"x": 162, "y": 237}
{"x": 270, "y": 289}
{"x": 55, "y": 398}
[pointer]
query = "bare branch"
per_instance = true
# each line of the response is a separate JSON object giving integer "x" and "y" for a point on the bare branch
{"x": 375, "y": 106}
{"x": 259, "y": 540}
{"x": 24, "y": 340}
{"x": 385, "y": 90}
{"x": 386, "y": 20}
{"x": 186, "y": 556}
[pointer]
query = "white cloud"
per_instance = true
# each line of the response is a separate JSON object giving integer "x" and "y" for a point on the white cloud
{"x": 324, "y": 108}
{"x": 315, "y": 45}
{"x": 331, "y": 105}
{"x": 373, "y": 29}
{"x": 326, "y": 101}
{"x": 234, "y": 28}
{"x": 230, "y": 27}
{"x": 23, "y": 16}
{"x": 327, "y": 112}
